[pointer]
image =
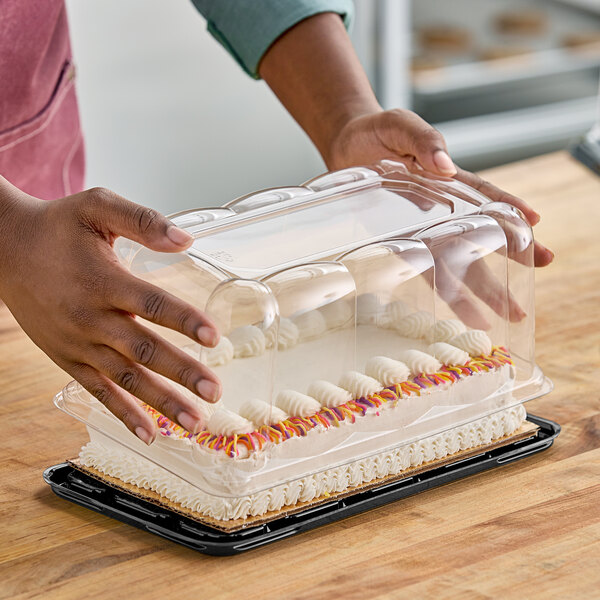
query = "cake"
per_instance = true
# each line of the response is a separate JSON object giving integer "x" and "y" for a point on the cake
{"x": 333, "y": 436}
{"x": 367, "y": 330}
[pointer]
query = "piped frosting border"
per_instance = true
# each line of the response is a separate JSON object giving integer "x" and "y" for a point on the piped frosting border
{"x": 246, "y": 443}
{"x": 133, "y": 469}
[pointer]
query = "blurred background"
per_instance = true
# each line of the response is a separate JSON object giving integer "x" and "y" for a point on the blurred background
{"x": 172, "y": 122}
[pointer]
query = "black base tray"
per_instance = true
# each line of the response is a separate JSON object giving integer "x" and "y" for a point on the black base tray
{"x": 75, "y": 486}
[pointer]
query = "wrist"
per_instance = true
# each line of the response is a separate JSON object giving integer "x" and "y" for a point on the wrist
{"x": 17, "y": 210}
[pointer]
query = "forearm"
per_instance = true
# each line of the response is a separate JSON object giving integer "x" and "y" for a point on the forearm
{"x": 313, "y": 70}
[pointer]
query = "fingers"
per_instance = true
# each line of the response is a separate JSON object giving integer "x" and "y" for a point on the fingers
{"x": 112, "y": 215}
{"x": 482, "y": 282}
{"x": 458, "y": 297}
{"x": 137, "y": 297}
{"x": 123, "y": 405}
{"x": 497, "y": 195}
{"x": 147, "y": 386}
{"x": 142, "y": 346}
{"x": 404, "y": 130}
{"x": 542, "y": 256}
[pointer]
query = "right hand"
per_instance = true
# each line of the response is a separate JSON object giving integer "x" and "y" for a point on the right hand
{"x": 62, "y": 281}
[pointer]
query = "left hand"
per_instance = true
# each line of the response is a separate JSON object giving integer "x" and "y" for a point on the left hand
{"x": 402, "y": 134}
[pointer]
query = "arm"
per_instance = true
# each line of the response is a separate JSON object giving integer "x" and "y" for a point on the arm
{"x": 314, "y": 71}
{"x": 64, "y": 285}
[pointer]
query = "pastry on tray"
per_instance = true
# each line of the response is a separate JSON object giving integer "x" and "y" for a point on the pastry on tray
{"x": 370, "y": 328}
{"x": 445, "y": 38}
{"x": 523, "y": 22}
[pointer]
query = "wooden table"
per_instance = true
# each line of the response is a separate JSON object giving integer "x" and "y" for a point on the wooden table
{"x": 527, "y": 530}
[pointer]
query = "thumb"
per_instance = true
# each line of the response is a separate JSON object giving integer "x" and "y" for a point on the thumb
{"x": 406, "y": 133}
{"x": 114, "y": 216}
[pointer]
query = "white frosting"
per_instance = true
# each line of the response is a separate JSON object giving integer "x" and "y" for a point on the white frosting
{"x": 368, "y": 309}
{"x": 444, "y": 330}
{"x": 226, "y": 422}
{"x": 206, "y": 409}
{"x": 310, "y": 324}
{"x": 221, "y": 354}
{"x": 288, "y": 335}
{"x": 262, "y": 413}
{"x": 328, "y": 394}
{"x": 131, "y": 468}
{"x": 395, "y": 312}
{"x": 247, "y": 341}
{"x": 337, "y": 314}
{"x": 420, "y": 362}
{"x": 448, "y": 354}
{"x": 359, "y": 384}
{"x": 474, "y": 341}
{"x": 297, "y": 404}
{"x": 387, "y": 370}
{"x": 415, "y": 325}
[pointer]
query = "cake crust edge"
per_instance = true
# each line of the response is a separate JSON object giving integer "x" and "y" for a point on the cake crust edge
{"x": 525, "y": 431}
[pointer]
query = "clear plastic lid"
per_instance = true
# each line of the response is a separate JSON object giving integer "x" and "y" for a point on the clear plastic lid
{"x": 369, "y": 308}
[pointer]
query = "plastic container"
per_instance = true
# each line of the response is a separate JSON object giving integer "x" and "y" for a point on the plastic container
{"x": 312, "y": 282}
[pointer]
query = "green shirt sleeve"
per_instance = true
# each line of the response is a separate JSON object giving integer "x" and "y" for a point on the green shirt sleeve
{"x": 247, "y": 28}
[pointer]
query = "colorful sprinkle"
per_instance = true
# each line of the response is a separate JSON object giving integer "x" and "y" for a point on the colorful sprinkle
{"x": 332, "y": 417}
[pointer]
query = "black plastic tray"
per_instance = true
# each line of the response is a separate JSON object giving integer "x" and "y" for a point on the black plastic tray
{"x": 73, "y": 485}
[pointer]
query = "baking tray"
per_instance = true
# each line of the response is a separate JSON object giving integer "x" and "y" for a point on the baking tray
{"x": 77, "y": 487}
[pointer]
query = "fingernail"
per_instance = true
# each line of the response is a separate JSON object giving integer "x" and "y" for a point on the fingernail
{"x": 535, "y": 218}
{"x": 546, "y": 249}
{"x": 208, "y": 390}
{"x": 144, "y": 435}
{"x": 191, "y": 424}
{"x": 443, "y": 162}
{"x": 178, "y": 236}
{"x": 207, "y": 336}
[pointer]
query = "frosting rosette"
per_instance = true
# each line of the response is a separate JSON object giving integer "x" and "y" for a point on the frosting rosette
{"x": 415, "y": 325}
{"x": 474, "y": 341}
{"x": 247, "y": 341}
{"x": 226, "y": 422}
{"x": 445, "y": 329}
{"x": 221, "y": 354}
{"x": 328, "y": 394}
{"x": 287, "y": 336}
{"x": 297, "y": 404}
{"x": 420, "y": 362}
{"x": 448, "y": 354}
{"x": 387, "y": 370}
{"x": 359, "y": 384}
{"x": 262, "y": 413}
{"x": 395, "y": 312}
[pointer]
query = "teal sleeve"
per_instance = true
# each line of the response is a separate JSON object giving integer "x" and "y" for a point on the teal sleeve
{"x": 247, "y": 28}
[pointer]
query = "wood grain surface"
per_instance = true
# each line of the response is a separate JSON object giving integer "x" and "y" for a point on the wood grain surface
{"x": 528, "y": 530}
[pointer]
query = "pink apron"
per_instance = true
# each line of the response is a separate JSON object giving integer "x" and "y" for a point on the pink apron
{"x": 41, "y": 145}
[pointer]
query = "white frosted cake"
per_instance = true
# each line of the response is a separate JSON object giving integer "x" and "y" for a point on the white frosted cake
{"x": 444, "y": 386}
{"x": 375, "y": 320}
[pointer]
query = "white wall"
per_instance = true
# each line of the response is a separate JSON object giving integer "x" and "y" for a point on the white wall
{"x": 170, "y": 119}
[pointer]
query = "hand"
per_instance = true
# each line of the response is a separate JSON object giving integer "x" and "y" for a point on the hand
{"x": 403, "y": 135}
{"x": 63, "y": 283}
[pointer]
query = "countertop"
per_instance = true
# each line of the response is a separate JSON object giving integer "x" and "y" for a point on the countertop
{"x": 527, "y": 530}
